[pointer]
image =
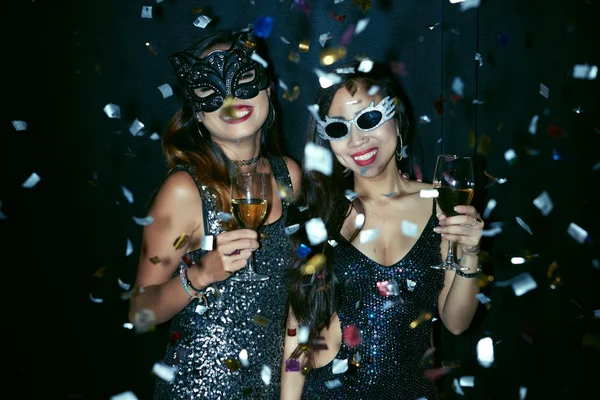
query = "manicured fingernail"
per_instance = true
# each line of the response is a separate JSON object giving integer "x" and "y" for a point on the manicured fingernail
{"x": 437, "y": 229}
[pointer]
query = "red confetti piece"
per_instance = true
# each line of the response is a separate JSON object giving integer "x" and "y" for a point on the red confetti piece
{"x": 556, "y": 132}
{"x": 351, "y": 336}
{"x": 436, "y": 373}
{"x": 174, "y": 338}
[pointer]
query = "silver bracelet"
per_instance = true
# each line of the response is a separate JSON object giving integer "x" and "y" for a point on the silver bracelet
{"x": 469, "y": 274}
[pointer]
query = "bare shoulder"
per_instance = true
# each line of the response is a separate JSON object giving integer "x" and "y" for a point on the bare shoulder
{"x": 422, "y": 203}
{"x": 178, "y": 189}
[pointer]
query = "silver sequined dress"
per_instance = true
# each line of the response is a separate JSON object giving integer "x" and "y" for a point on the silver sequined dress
{"x": 241, "y": 316}
{"x": 390, "y": 351}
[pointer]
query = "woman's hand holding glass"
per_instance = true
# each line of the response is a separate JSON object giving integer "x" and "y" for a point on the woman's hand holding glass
{"x": 464, "y": 229}
{"x": 231, "y": 253}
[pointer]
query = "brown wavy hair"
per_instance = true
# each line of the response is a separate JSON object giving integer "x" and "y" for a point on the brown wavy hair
{"x": 188, "y": 142}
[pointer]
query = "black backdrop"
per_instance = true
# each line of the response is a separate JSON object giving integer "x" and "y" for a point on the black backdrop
{"x": 64, "y": 240}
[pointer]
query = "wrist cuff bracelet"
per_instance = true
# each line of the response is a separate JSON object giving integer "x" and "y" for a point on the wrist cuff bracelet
{"x": 468, "y": 274}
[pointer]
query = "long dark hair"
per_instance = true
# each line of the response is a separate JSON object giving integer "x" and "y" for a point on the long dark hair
{"x": 312, "y": 296}
{"x": 187, "y": 142}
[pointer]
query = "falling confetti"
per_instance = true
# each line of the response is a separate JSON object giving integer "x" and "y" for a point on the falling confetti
{"x": 112, "y": 111}
{"x": 316, "y": 231}
{"x": 164, "y": 372}
{"x": 31, "y": 181}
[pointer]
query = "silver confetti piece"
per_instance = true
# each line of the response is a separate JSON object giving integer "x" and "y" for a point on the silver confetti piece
{"x": 323, "y": 38}
{"x": 146, "y": 11}
{"x": 544, "y": 90}
{"x": 544, "y": 203}
{"x": 485, "y": 352}
{"x": 510, "y": 155}
{"x": 19, "y": 125}
{"x": 368, "y": 234}
{"x": 456, "y": 387}
{"x": 523, "y": 225}
{"x": 327, "y": 79}
{"x": 164, "y": 372}
{"x": 411, "y": 285}
{"x": 577, "y": 233}
{"x": 467, "y": 381}
{"x": 339, "y": 366}
{"x": 97, "y": 300}
{"x": 290, "y": 230}
{"x": 479, "y": 58}
{"x": 458, "y": 86}
{"x": 201, "y": 309}
{"x": 144, "y": 221}
{"x": 585, "y": 71}
{"x": 467, "y": 5}
{"x": 316, "y": 231}
{"x": 373, "y": 90}
{"x": 332, "y": 242}
{"x": 31, "y": 181}
{"x": 303, "y": 334}
{"x": 129, "y": 248}
{"x": 483, "y": 299}
{"x": 2, "y": 216}
{"x": 317, "y": 158}
{"x": 207, "y": 243}
{"x": 333, "y": 384}
{"x": 224, "y": 216}
{"x": 424, "y": 119}
{"x": 429, "y": 193}
{"x": 365, "y": 65}
{"x": 360, "y": 26}
{"x": 244, "y": 358}
{"x": 350, "y": 195}
{"x": 259, "y": 60}
{"x": 127, "y": 193}
{"x": 265, "y": 374}
{"x": 410, "y": 229}
{"x": 155, "y": 136}
{"x": 523, "y": 283}
{"x": 112, "y": 111}
{"x": 123, "y": 285}
{"x": 345, "y": 70}
{"x": 489, "y": 207}
{"x": 136, "y": 128}
{"x": 533, "y": 124}
{"x": 202, "y": 21}
{"x": 283, "y": 85}
{"x": 359, "y": 221}
{"x": 284, "y": 40}
{"x": 165, "y": 90}
{"x": 124, "y": 396}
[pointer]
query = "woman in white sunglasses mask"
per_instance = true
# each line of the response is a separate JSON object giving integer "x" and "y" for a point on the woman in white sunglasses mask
{"x": 360, "y": 322}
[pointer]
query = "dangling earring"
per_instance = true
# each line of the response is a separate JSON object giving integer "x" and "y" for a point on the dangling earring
{"x": 347, "y": 172}
{"x": 198, "y": 122}
{"x": 399, "y": 148}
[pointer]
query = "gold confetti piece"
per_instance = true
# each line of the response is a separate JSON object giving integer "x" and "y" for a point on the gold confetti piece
{"x": 228, "y": 107}
{"x": 155, "y": 260}
{"x": 364, "y": 5}
{"x": 483, "y": 280}
{"x": 294, "y": 57}
{"x": 314, "y": 264}
{"x": 472, "y": 138}
{"x": 260, "y": 320}
{"x": 100, "y": 272}
{"x": 424, "y": 316}
{"x": 304, "y": 45}
{"x": 305, "y": 370}
{"x": 331, "y": 55}
{"x": 285, "y": 192}
{"x": 324, "y": 287}
{"x": 552, "y": 268}
{"x": 196, "y": 10}
{"x": 293, "y": 95}
{"x": 232, "y": 364}
{"x": 250, "y": 44}
{"x": 181, "y": 241}
{"x": 485, "y": 145}
{"x": 149, "y": 46}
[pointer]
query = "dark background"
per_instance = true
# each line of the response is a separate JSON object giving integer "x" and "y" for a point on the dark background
{"x": 64, "y": 240}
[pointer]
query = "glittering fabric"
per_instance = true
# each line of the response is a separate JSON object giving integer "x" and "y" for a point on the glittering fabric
{"x": 390, "y": 350}
{"x": 240, "y": 316}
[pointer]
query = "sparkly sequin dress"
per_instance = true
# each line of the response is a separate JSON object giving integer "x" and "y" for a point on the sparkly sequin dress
{"x": 240, "y": 316}
{"x": 390, "y": 351}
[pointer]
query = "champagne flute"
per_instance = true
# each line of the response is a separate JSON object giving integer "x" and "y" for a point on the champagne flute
{"x": 249, "y": 207}
{"x": 455, "y": 182}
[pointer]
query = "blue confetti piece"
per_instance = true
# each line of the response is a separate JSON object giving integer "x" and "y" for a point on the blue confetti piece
{"x": 303, "y": 250}
{"x": 263, "y": 26}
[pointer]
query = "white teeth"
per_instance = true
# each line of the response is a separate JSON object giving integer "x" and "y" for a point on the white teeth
{"x": 366, "y": 156}
{"x": 237, "y": 114}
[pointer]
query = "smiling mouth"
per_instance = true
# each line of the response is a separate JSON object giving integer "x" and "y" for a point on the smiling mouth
{"x": 236, "y": 114}
{"x": 366, "y": 156}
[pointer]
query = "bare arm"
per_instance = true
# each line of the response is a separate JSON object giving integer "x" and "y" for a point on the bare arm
{"x": 177, "y": 210}
{"x": 457, "y": 302}
{"x": 292, "y": 383}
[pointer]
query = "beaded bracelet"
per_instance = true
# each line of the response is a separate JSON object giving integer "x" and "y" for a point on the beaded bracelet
{"x": 182, "y": 277}
{"x": 190, "y": 284}
{"x": 468, "y": 274}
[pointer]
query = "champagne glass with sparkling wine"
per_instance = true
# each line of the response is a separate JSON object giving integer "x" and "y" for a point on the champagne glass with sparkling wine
{"x": 249, "y": 207}
{"x": 455, "y": 182}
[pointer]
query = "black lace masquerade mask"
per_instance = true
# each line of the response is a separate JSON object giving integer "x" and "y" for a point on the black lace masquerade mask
{"x": 206, "y": 82}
